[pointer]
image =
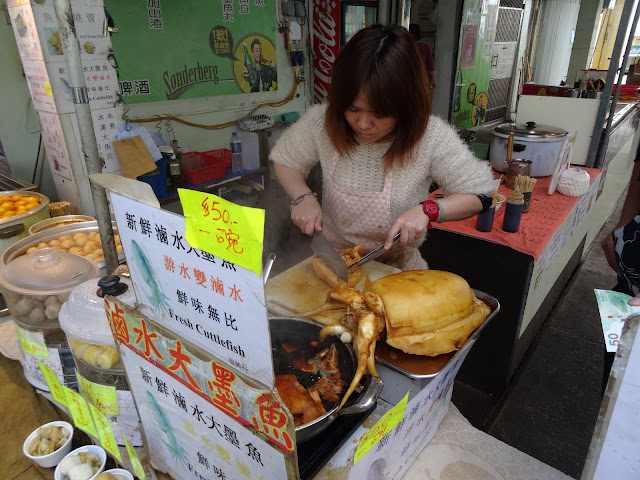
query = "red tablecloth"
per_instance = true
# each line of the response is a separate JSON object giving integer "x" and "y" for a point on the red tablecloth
{"x": 546, "y": 214}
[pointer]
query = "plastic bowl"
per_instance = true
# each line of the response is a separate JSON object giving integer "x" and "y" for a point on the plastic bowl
{"x": 53, "y": 458}
{"x": 499, "y": 198}
{"x": 99, "y": 451}
{"x": 120, "y": 473}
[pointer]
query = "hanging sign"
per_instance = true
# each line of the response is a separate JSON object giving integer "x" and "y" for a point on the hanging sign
{"x": 215, "y": 304}
{"x": 199, "y": 417}
{"x": 54, "y": 385}
{"x": 133, "y": 457}
{"x": 32, "y": 343}
{"x": 326, "y": 45}
{"x": 102, "y": 396}
{"x": 105, "y": 433}
{"x": 79, "y": 411}
{"x": 224, "y": 229}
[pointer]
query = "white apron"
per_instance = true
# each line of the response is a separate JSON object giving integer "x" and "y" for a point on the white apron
{"x": 352, "y": 217}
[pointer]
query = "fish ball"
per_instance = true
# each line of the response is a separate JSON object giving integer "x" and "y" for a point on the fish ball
{"x": 37, "y": 315}
{"x": 62, "y": 238}
{"x": 92, "y": 256}
{"x": 42, "y": 245}
{"x": 93, "y": 235}
{"x": 24, "y": 306}
{"x": 40, "y": 298}
{"x": 99, "y": 252}
{"x": 51, "y": 312}
{"x": 76, "y": 250}
{"x": 51, "y": 300}
{"x": 31, "y": 250}
{"x": 54, "y": 243}
{"x": 82, "y": 241}
{"x": 68, "y": 244}
{"x": 79, "y": 235}
{"x": 89, "y": 247}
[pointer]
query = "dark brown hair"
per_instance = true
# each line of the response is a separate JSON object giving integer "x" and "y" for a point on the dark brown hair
{"x": 383, "y": 62}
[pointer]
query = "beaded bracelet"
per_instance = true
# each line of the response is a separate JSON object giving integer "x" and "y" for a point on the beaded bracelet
{"x": 300, "y": 198}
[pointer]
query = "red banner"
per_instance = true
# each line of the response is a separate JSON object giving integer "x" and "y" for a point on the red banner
{"x": 326, "y": 45}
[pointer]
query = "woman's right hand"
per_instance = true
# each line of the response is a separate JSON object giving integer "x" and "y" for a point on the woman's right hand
{"x": 307, "y": 215}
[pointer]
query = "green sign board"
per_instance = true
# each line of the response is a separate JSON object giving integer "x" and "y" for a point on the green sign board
{"x": 168, "y": 50}
{"x": 474, "y": 63}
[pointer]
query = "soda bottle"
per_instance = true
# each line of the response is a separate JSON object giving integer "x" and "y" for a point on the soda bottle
{"x": 251, "y": 68}
{"x": 236, "y": 153}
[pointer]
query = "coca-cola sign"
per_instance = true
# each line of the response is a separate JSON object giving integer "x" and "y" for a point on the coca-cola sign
{"x": 326, "y": 45}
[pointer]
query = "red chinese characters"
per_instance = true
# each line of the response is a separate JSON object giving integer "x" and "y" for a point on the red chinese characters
{"x": 181, "y": 360}
{"x": 223, "y": 397}
{"x": 272, "y": 419}
{"x": 117, "y": 322}
{"x": 147, "y": 338}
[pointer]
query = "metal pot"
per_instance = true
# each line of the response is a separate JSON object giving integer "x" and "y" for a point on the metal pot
{"x": 539, "y": 143}
{"x": 17, "y": 227}
{"x": 299, "y": 333}
{"x": 58, "y": 222}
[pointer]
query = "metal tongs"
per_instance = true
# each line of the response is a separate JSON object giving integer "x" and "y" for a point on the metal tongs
{"x": 372, "y": 255}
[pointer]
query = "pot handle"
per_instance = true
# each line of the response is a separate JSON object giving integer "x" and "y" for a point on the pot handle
{"x": 367, "y": 398}
{"x": 11, "y": 231}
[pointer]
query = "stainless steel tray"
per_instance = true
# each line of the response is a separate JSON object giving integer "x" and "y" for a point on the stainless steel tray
{"x": 423, "y": 367}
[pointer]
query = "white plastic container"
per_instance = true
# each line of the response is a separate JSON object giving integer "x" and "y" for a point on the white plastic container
{"x": 85, "y": 323}
{"x": 52, "y": 459}
{"x": 99, "y": 451}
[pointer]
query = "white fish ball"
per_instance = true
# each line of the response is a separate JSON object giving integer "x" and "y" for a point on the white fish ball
{"x": 51, "y": 312}
{"x": 23, "y": 306}
{"x": 51, "y": 300}
{"x": 37, "y": 315}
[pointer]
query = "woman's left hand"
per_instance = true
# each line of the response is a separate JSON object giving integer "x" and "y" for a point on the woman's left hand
{"x": 412, "y": 224}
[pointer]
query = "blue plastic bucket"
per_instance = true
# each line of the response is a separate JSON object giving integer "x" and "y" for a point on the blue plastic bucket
{"x": 157, "y": 179}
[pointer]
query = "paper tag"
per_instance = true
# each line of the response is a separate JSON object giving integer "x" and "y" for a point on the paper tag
{"x": 79, "y": 411}
{"x": 387, "y": 423}
{"x": 135, "y": 461}
{"x": 54, "y": 384}
{"x": 224, "y": 229}
{"x": 32, "y": 343}
{"x": 47, "y": 89}
{"x": 102, "y": 396}
{"x": 105, "y": 433}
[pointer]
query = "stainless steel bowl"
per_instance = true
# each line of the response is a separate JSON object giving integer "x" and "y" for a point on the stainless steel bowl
{"x": 58, "y": 222}
{"x": 20, "y": 248}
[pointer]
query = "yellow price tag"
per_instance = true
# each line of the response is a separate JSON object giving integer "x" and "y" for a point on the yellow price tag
{"x": 32, "y": 343}
{"x": 102, "y": 396}
{"x": 224, "y": 229}
{"x": 105, "y": 433}
{"x": 54, "y": 384}
{"x": 79, "y": 411}
{"x": 47, "y": 89}
{"x": 135, "y": 461}
{"x": 387, "y": 423}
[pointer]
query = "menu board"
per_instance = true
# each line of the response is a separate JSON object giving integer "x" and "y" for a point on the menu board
{"x": 193, "y": 49}
{"x": 215, "y": 304}
{"x": 55, "y": 145}
{"x": 199, "y": 417}
{"x": 106, "y": 127}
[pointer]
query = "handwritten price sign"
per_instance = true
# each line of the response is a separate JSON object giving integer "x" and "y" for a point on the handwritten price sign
{"x": 224, "y": 229}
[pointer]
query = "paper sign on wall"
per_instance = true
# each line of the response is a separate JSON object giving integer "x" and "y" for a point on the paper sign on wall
{"x": 54, "y": 385}
{"x": 387, "y": 423}
{"x": 79, "y": 411}
{"x": 224, "y": 229}
{"x": 105, "y": 434}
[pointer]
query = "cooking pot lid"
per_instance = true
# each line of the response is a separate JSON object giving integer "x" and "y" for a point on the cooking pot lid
{"x": 47, "y": 270}
{"x": 83, "y": 316}
{"x": 530, "y": 130}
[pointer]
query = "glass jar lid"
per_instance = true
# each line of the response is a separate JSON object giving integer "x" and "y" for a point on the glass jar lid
{"x": 47, "y": 271}
{"x": 529, "y": 130}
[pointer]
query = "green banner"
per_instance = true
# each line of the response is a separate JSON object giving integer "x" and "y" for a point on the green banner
{"x": 474, "y": 62}
{"x": 167, "y": 50}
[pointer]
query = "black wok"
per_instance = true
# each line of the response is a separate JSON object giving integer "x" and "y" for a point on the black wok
{"x": 299, "y": 333}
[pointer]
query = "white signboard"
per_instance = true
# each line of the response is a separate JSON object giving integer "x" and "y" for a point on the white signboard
{"x": 105, "y": 126}
{"x": 189, "y": 438}
{"x": 24, "y": 28}
{"x": 40, "y": 86}
{"x": 218, "y": 306}
{"x": 54, "y": 143}
{"x": 396, "y": 451}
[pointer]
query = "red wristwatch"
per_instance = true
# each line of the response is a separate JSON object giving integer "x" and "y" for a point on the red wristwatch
{"x": 432, "y": 210}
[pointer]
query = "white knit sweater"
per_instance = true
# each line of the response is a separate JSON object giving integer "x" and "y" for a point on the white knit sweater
{"x": 441, "y": 157}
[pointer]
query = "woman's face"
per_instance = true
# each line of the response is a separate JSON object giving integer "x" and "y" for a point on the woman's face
{"x": 367, "y": 125}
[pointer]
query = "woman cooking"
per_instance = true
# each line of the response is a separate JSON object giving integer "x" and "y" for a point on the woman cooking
{"x": 379, "y": 149}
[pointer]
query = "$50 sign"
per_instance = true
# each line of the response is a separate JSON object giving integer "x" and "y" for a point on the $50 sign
{"x": 224, "y": 229}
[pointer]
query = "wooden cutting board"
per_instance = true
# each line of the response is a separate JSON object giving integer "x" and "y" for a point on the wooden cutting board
{"x": 299, "y": 289}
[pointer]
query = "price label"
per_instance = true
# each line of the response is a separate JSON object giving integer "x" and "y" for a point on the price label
{"x": 32, "y": 343}
{"x": 54, "y": 384}
{"x": 224, "y": 229}
{"x": 105, "y": 433}
{"x": 387, "y": 423}
{"x": 79, "y": 411}
{"x": 102, "y": 396}
{"x": 135, "y": 461}
{"x": 47, "y": 89}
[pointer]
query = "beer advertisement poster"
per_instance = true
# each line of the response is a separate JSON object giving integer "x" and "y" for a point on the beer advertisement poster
{"x": 192, "y": 49}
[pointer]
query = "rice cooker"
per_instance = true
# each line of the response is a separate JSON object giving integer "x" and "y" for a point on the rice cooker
{"x": 532, "y": 141}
